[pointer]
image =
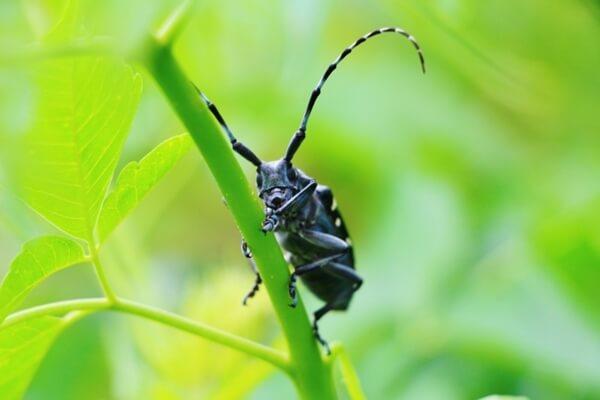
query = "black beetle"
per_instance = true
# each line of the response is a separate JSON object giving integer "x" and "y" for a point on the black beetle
{"x": 304, "y": 214}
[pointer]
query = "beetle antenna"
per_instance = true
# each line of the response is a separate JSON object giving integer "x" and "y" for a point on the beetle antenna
{"x": 301, "y": 132}
{"x": 238, "y": 147}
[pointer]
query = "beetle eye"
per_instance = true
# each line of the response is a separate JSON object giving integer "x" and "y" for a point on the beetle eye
{"x": 259, "y": 180}
{"x": 291, "y": 174}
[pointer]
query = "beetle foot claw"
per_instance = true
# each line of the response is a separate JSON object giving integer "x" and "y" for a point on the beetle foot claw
{"x": 294, "y": 297}
{"x": 270, "y": 223}
{"x": 252, "y": 291}
{"x": 267, "y": 226}
{"x": 320, "y": 339}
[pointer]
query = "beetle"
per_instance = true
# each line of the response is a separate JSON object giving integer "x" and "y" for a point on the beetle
{"x": 303, "y": 214}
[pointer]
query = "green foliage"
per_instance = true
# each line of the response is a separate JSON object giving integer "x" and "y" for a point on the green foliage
{"x": 81, "y": 124}
{"x": 22, "y": 348}
{"x": 85, "y": 109}
{"x": 136, "y": 179}
{"x": 38, "y": 259}
{"x": 85, "y": 105}
{"x": 471, "y": 193}
{"x": 25, "y": 343}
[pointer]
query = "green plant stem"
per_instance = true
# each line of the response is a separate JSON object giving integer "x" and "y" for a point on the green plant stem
{"x": 163, "y": 317}
{"x": 101, "y": 273}
{"x": 349, "y": 374}
{"x": 57, "y": 308}
{"x": 311, "y": 374}
{"x": 207, "y": 332}
{"x": 171, "y": 28}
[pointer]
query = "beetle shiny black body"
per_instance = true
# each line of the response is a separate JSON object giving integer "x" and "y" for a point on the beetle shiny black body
{"x": 334, "y": 282}
{"x": 310, "y": 229}
{"x": 304, "y": 215}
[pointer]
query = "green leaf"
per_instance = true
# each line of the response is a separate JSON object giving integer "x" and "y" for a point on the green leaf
{"x": 22, "y": 348}
{"x": 500, "y": 397}
{"x": 137, "y": 179}
{"x": 85, "y": 108}
{"x": 38, "y": 259}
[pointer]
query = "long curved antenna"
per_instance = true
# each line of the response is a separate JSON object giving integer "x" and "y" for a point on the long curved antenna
{"x": 301, "y": 132}
{"x": 238, "y": 147}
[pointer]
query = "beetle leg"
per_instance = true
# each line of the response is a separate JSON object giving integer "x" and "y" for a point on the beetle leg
{"x": 271, "y": 221}
{"x": 324, "y": 240}
{"x": 328, "y": 265}
{"x": 246, "y": 251}
{"x": 254, "y": 289}
{"x": 318, "y": 315}
{"x": 337, "y": 269}
{"x": 292, "y": 290}
{"x": 304, "y": 269}
{"x": 270, "y": 224}
{"x": 344, "y": 272}
{"x": 340, "y": 303}
{"x": 248, "y": 254}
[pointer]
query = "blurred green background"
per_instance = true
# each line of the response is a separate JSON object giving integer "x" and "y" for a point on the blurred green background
{"x": 472, "y": 194}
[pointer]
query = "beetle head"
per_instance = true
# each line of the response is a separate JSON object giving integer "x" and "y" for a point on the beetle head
{"x": 277, "y": 182}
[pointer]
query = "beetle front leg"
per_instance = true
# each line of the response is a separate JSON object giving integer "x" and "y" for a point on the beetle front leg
{"x": 271, "y": 221}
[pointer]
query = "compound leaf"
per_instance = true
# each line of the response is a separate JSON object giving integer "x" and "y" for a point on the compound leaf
{"x": 137, "y": 179}
{"x": 23, "y": 347}
{"x": 38, "y": 259}
{"x": 85, "y": 107}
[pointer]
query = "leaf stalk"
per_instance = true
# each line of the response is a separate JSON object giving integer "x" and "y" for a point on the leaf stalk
{"x": 215, "y": 335}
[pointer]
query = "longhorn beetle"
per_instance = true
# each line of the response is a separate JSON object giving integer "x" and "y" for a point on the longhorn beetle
{"x": 304, "y": 214}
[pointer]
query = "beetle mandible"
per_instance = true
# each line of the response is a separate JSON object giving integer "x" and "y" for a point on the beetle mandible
{"x": 304, "y": 215}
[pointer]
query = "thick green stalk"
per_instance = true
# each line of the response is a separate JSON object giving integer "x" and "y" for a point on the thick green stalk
{"x": 311, "y": 374}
